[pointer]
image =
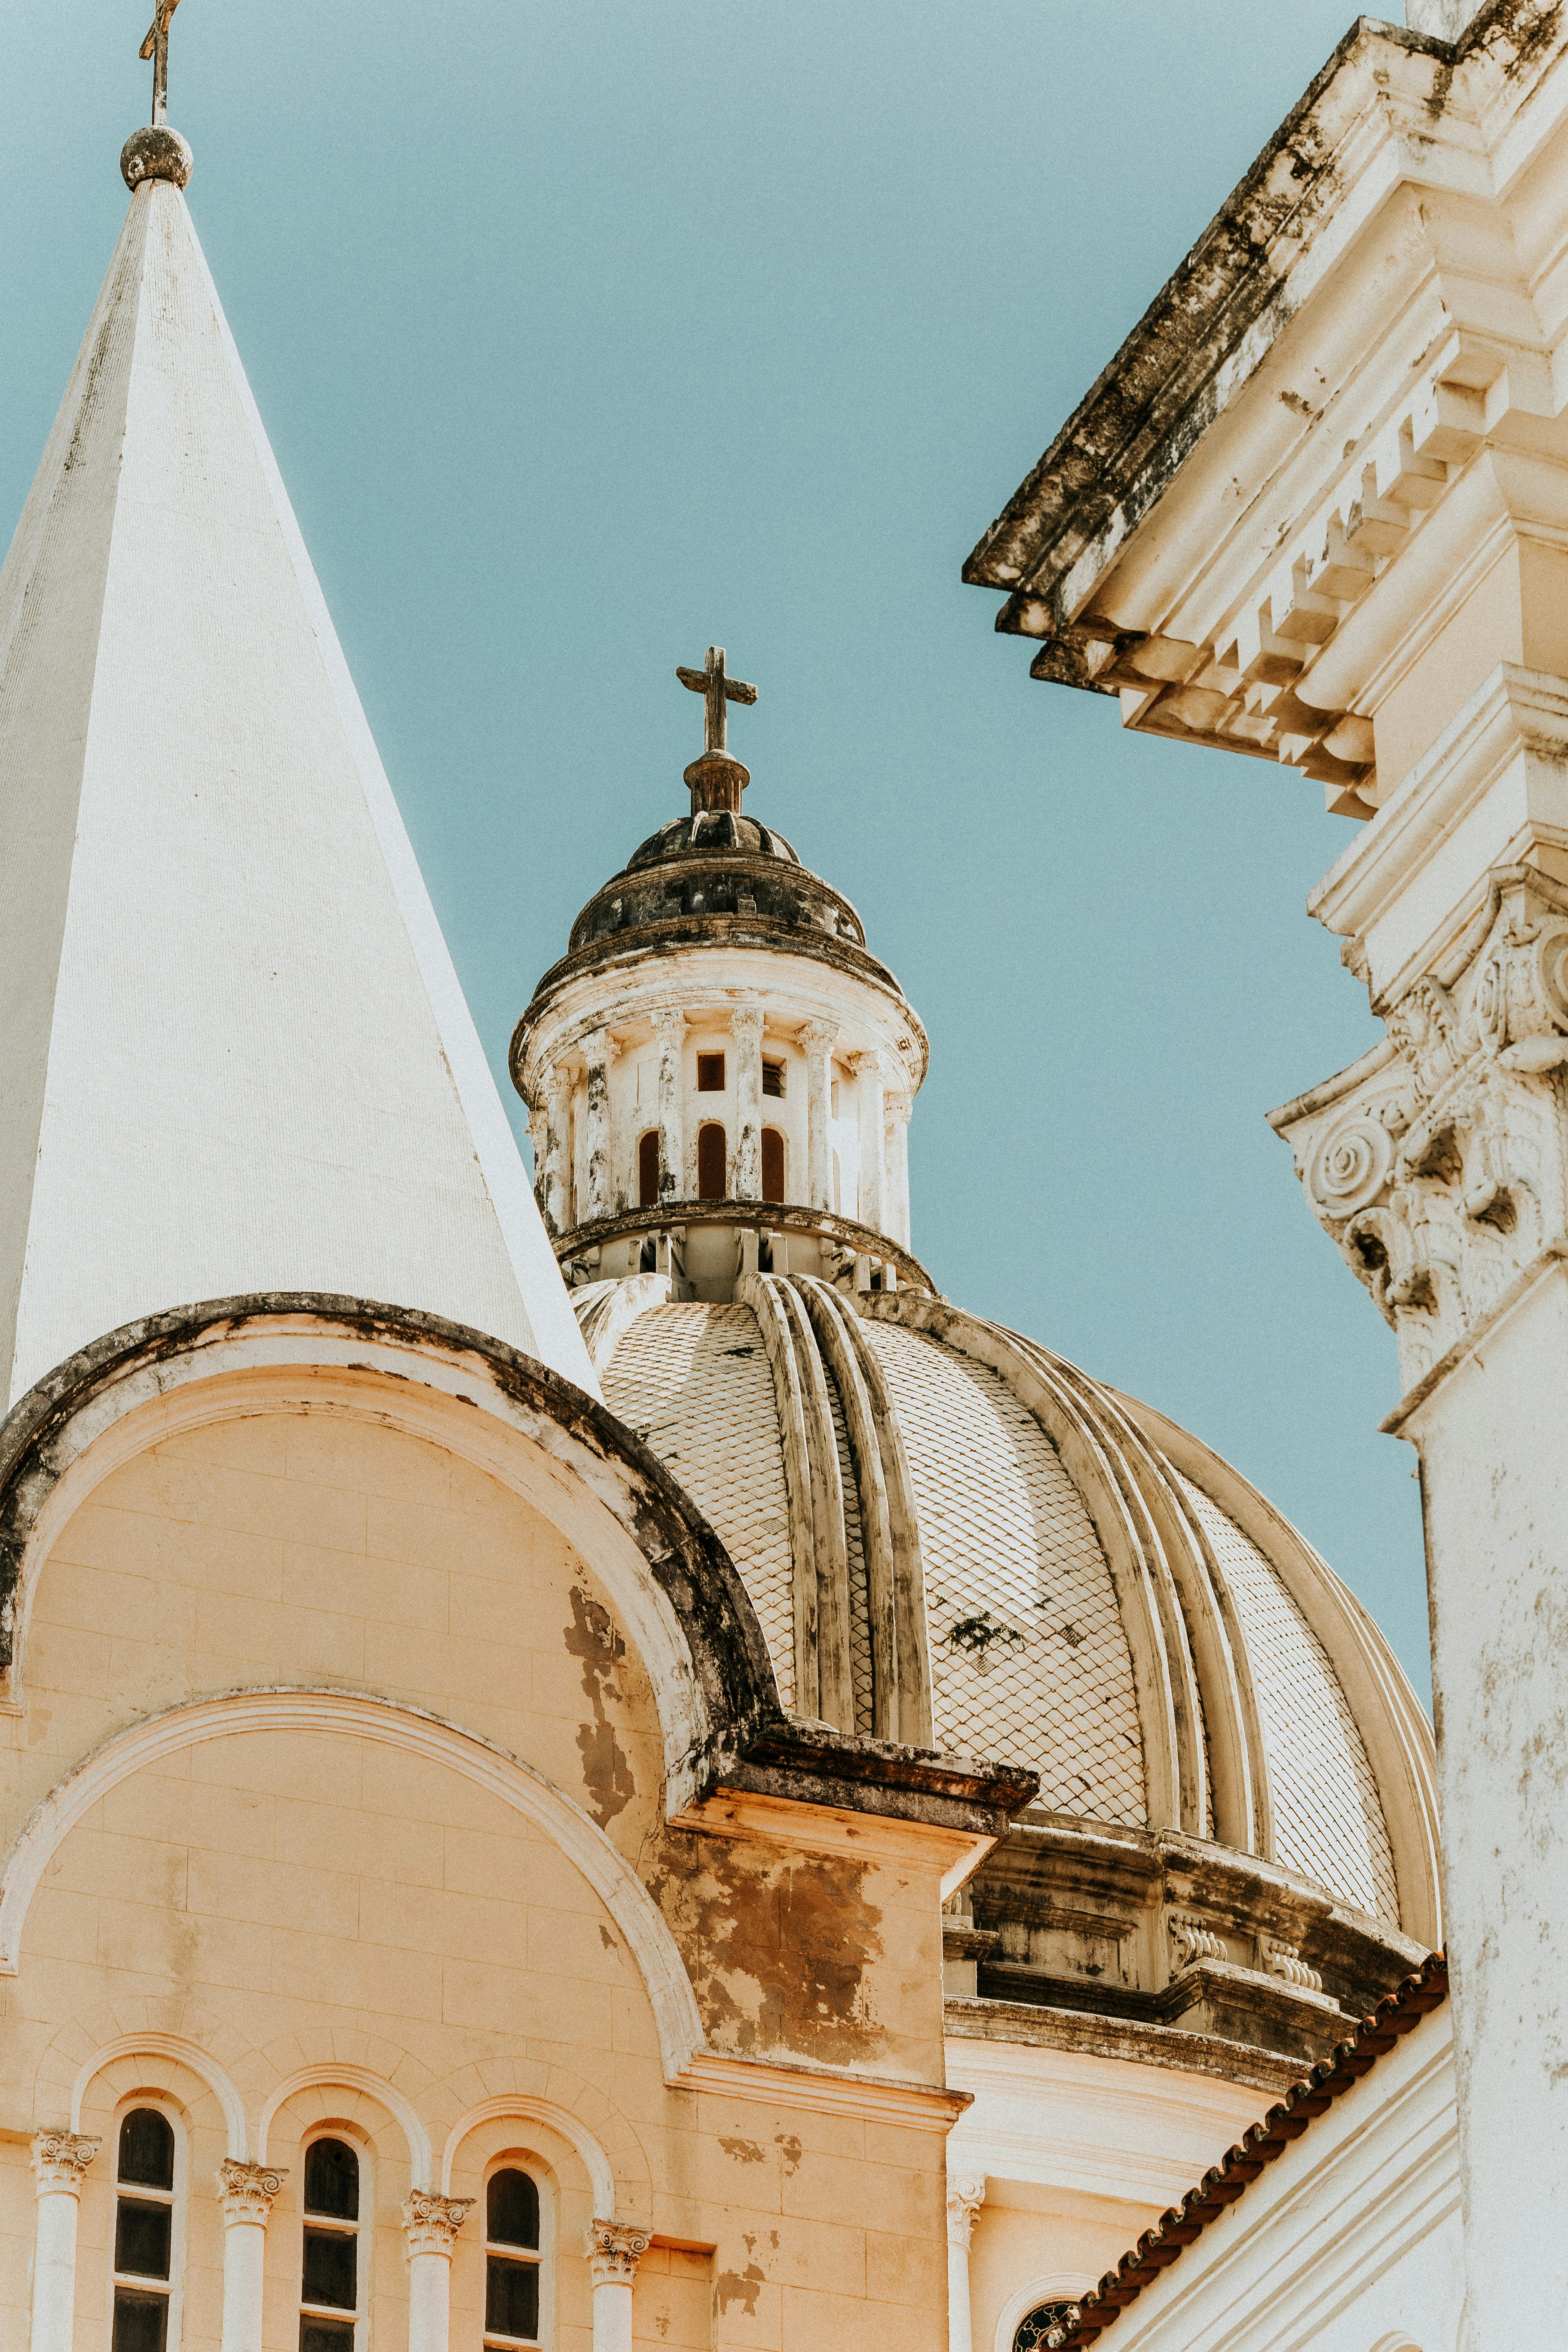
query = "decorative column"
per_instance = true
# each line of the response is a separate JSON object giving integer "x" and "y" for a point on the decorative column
{"x": 1439, "y": 1164}
{"x": 817, "y": 1039}
{"x": 964, "y": 2198}
{"x": 896, "y": 1109}
{"x": 556, "y": 1201}
{"x": 746, "y": 1027}
{"x": 670, "y": 1028}
{"x": 869, "y": 1084}
{"x": 59, "y": 2161}
{"x": 598, "y": 1149}
{"x": 246, "y": 2192}
{"x": 613, "y": 2252}
{"x": 430, "y": 2223}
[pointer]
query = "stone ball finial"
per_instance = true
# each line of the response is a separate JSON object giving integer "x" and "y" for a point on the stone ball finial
{"x": 155, "y": 153}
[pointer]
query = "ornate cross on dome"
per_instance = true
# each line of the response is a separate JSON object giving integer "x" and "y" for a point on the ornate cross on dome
{"x": 710, "y": 680}
{"x": 156, "y": 46}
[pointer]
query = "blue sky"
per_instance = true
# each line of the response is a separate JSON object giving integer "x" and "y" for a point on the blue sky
{"x": 587, "y": 336}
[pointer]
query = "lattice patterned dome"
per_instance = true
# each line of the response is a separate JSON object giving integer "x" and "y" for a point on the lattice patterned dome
{"x": 955, "y": 1540}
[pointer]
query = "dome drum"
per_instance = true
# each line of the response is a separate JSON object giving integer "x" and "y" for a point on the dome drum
{"x": 713, "y": 1247}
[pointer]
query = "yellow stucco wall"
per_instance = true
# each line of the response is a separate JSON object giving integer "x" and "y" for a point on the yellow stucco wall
{"x": 333, "y": 1911}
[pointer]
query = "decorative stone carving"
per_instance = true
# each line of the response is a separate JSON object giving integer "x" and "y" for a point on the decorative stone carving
{"x": 431, "y": 2223}
{"x": 59, "y": 2161}
{"x": 1284, "y": 1961}
{"x": 613, "y": 2250}
{"x": 1191, "y": 1941}
{"x": 247, "y": 2190}
{"x": 964, "y": 2198}
{"x": 1441, "y": 1168}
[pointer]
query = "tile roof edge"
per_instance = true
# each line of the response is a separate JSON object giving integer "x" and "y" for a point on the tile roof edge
{"x": 1395, "y": 2015}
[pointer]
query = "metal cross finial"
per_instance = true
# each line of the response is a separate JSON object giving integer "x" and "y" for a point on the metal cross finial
{"x": 711, "y": 681}
{"x": 156, "y": 46}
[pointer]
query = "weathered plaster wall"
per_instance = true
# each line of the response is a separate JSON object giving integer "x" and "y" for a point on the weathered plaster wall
{"x": 350, "y": 1931}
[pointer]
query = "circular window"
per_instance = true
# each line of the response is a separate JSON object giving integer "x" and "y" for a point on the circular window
{"x": 1037, "y": 2324}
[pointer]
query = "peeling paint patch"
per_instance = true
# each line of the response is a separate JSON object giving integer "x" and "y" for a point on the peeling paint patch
{"x": 592, "y": 1637}
{"x": 739, "y": 2286}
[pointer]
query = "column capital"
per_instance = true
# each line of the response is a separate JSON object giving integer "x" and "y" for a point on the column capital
{"x": 667, "y": 1019}
{"x": 964, "y": 2198}
{"x": 601, "y": 1048}
{"x": 818, "y": 1036}
{"x": 431, "y": 2223}
{"x": 898, "y": 1105}
{"x": 1438, "y": 1163}
{"x": 747, "y": 1020}
{"x": 59, "y": 2159}
{"x": 613, "y": 2251}
{"x": 245, "y": 2190}
{"x": 556, "y": 1079}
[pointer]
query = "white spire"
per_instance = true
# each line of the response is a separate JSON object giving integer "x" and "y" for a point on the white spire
{"x": 234, "y": 1054}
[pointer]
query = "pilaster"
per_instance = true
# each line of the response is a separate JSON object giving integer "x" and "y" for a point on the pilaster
{"x": 613, "y": 2250}
{"x": 60, "y": 2159}
{"x": 817, "y": 1039}
{"x": 598, "y": 1153}
{"x": 670, "y": 1028}
{"x": 964, "y": 2198}
{"x": 246, "y": 2192}
{"x": 1439, "y": 1165}
{"x": 430, "y": 2225}
{"x": 870, "y": 1086}
{"x": 746, "y": 1027}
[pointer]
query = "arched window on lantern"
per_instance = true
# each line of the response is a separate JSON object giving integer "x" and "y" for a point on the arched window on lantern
{"x": 513, "y": 2300}
{"x": 647, "y": 1170}
{"x": 712, "y": 1159}
{"x": 146, "y": 2231}
{"x": 332, "y": 2269}
{"x": 773, "y": 1164}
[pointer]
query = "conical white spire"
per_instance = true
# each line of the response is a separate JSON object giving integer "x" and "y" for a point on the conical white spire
{"x": 234, "y": 1054}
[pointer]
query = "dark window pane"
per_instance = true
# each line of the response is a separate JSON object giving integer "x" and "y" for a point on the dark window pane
{"x": 324, "y": 2336}
{"x": 709, "y": 1073}
{"x": 328, "y": 2274}
{"x": 140, "y": 2321}
{"x": 512, "y": 2297}
{"x": 773, "y": 1164}
{"x": 647, "y": 1170}
{"x": 147, "y": 2150}
{"x": 774, "y": 1079}
{"x": 1033, "y": 2330}
{"x": 332, "y": 2180}
{"x": 511, "y": 2211}
{"x": 710, "y": 1163}
{"x": 141, "y": 2238}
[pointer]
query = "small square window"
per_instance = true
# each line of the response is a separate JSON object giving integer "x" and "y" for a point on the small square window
{"x": 774, "y": 1079}
{"x": 709, "y": 1073}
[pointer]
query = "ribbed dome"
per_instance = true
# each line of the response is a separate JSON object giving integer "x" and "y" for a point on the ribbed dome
{"x": 717, "y": 866}
{"x": 710, "y": 833}
{"x": 1032, "y": 1569}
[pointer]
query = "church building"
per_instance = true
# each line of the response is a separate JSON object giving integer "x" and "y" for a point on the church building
{"x": 612, "y": 1768}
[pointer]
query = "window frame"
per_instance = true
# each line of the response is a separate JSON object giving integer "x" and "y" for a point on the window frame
{"x": 715, "y": 1126}
{"x": 515, "y": 2160}
{"x": 776, "y": 1064}
{"x": 647, "y": 1135}
{"x": 361, "y": 2232}
{"x": 177, "y": 2200}
{"x": 783, "y": 1193}
{"x": 710, "y": 1055}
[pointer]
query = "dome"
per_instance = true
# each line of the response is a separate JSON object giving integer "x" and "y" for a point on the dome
{"x": 715, "y": 832}
{"x": 1020, "y": 1564}
{"x": 718, "y": 865}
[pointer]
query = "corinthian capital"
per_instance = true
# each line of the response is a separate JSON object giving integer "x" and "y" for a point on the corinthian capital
{"x": 964, "y": 2198}
{"x": 245, "y": 2190}
{"x": 431, "y": 2223}
{"x": 746, "y": 1020}
{"x": 818, "y": 1036}
{"x": 669, "y": 1020}
{"x": 613, "y": 2251}
{"x": 1438, "y": 1163}
{"x": 59, "y": 2159}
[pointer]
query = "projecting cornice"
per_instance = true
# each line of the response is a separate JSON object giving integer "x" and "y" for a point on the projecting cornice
{"x": 1345, "y": 394}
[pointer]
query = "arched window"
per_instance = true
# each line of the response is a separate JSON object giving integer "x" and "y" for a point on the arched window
{"x": 330, "y": 2274}
{"x": 1037, "y": 2324}
{"x": 773, "y": 1164}
{"x": 647, "y": 1170}
{"x": 512, "y": 2260}
{"x": 712, "y": 1158}
{"x": 143, "y": 2231}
